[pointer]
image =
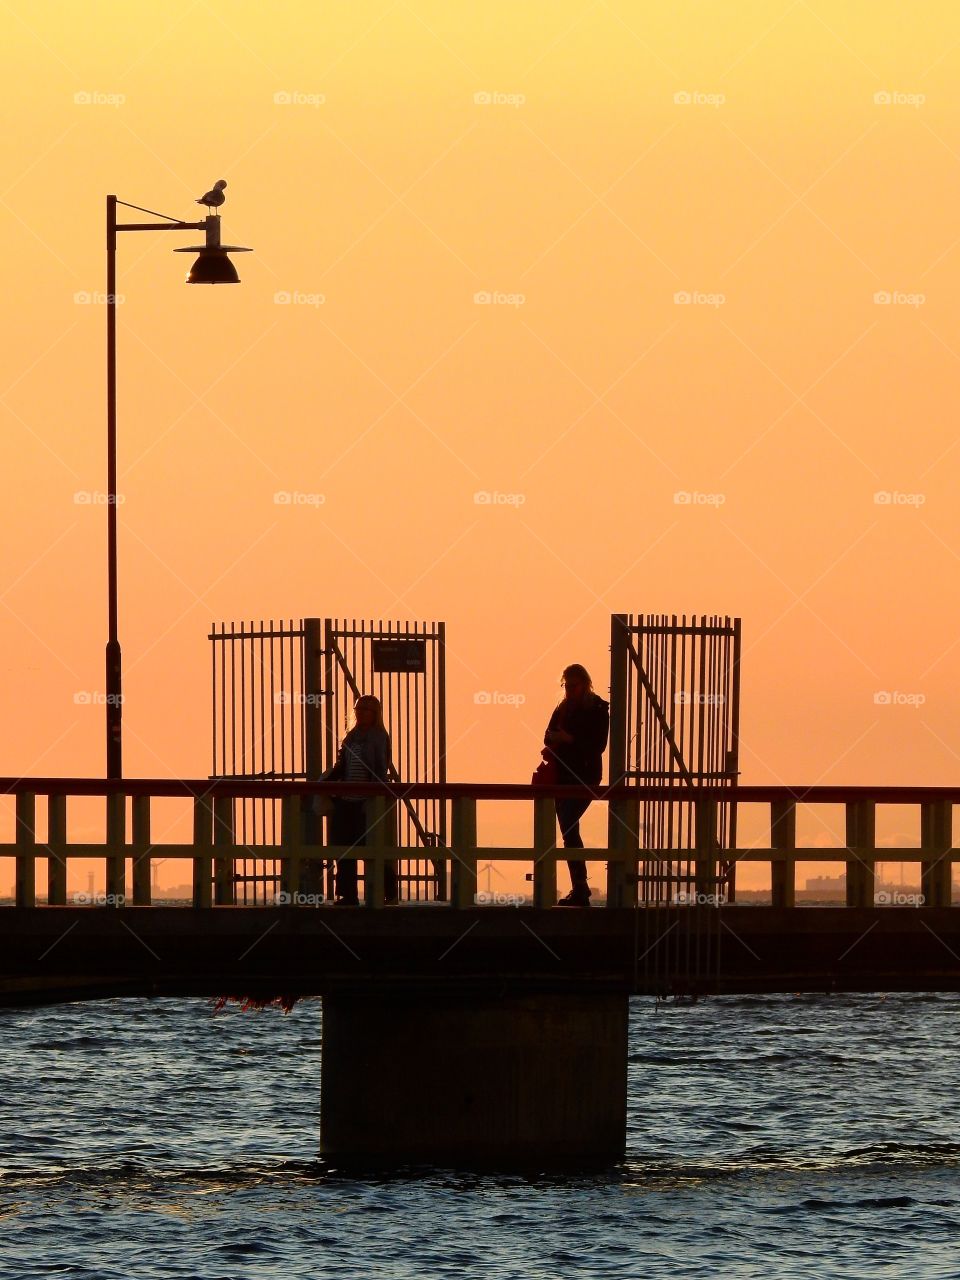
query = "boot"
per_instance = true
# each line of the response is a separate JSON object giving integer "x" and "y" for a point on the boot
{"x": 579, "y": 896}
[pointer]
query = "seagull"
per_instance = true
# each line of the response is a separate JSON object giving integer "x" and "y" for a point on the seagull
{"x": 214, "y": 198}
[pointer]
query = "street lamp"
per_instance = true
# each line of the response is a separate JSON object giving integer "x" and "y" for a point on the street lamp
{"x": 213, "y": 266}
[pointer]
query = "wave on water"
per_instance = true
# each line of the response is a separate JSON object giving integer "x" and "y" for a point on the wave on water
{"x": 136, "y": 1175}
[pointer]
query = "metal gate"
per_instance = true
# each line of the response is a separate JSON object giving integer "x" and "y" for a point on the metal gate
{"x": 675, "y": 720}
{"x": 283, "y": 696}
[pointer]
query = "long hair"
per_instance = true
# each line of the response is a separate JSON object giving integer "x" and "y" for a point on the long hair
{"x": 369, "y": 700}
{"x": 577, "y": 672}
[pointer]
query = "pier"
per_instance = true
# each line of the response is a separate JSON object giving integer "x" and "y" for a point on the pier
{"x": 522, "y": 1005}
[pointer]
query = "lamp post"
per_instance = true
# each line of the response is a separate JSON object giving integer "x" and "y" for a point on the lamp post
{"x": 213, "y": 266}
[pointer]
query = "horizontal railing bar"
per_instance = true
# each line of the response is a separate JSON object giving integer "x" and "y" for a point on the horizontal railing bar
{"x": 494, "y": 853}
{"x": 349, "y": 634}
{"x": 660, "y": 630}
{"x": 204, "y": 787}
{"x": 284, "y": 633}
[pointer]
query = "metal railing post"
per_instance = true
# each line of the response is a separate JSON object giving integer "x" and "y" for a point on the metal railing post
{"x": 223, "y": 843}
{"x": 379, "y": 810}
{"x": 291, "y": 842}
{"x": 623, "y": 837}
{"x": 544, "y": 852}
{"x": 116, "y": 869}
{"x": 861, "y": 827}
{"x": 142, "y": 882}
{"x": 25, "y": 892}
{"x": 936, "y": 840}
{"x": 463, "y": 862}
{"x": 783, "y": 835}
{"x": 57, "y": 847}
{"x": 705, "y": 850}
{"x": 203, "y": 852}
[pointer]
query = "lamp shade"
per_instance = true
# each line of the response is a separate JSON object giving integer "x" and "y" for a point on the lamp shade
{"x": 213, "y": 266}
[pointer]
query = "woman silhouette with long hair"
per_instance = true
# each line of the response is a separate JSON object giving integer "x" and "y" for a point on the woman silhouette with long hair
{"x": 576, "y": 737}
{"x": 364, "y": 756}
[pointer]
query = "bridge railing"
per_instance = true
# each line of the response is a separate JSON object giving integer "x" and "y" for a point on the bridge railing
{"x": 129, "y": 854}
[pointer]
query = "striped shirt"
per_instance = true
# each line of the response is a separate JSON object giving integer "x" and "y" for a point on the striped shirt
{"x": 354, "y": 766}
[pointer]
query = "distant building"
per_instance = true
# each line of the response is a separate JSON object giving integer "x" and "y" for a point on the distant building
{"x": 826, "y": 884}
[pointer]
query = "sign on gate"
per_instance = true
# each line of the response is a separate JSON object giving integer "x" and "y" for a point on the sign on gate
{"x": 399, "y": 655}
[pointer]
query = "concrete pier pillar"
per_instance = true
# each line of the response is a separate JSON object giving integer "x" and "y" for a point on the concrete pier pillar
{"x": 474, "y": 1078}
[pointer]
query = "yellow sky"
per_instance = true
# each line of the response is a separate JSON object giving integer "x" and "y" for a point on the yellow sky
{"x": 619, "y": 153}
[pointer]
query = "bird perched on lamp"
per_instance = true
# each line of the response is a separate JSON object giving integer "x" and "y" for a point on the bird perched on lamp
{"x": 214, "y": 198}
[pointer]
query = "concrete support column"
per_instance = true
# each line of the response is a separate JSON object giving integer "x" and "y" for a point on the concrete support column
{"x": 463, "y": 1077}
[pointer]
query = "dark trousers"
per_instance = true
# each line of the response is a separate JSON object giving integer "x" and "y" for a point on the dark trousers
{"x": 569, "y": 813}
{"x": 348, "y": 825}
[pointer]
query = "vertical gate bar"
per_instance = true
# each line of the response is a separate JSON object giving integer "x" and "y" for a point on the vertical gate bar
{"x": 677, "y": 711}
{"x": 701, "y": 728}
{"x": 696, "y": 767}
{"x": 296, "y": 715}
{"x": 735, "y": 727}
{"x": 675, "y": 811}
{"x": 618, "y": 699}
{"x": 213, "y": 694}
{"x": 632, "y": 752}
{"x": 233, "y": 700}
{"x": 329, "y": 701}
{"x": 57, "y": 845}
{"x": 671, "y": 817}
{"x": 270, "y": 806}
{"x": 676, "y": 838}
{"x": 243, "y": 696}
{"x": 644, "y": 750}
{"x": 668, "y": 817}
{"x": 312, "y": 653}
{"x": 439, "y": 717}
{"x": 142, "y": 863}
{"x": 618, "y": 746}
{"x": 715, "y": 780}
{"x": 711, "y": 709}
{"x": 329, "y": 724}
{"x": 257, "y": 808}
{"x": 651, "y": 758}
{"x": 416, "y": 766}
{"x": 268, "y": 812}
{"x": 421, "y": 811}
{"x": 281, "y": 698}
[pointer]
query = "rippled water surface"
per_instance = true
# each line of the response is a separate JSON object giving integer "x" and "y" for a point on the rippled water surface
{"x": 768, "y": 1137}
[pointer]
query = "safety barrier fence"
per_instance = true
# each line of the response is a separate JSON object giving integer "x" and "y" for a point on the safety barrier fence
{"x": 128, "y": 851}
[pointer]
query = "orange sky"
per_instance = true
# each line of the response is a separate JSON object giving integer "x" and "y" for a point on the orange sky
{"x": 384, "y": 187}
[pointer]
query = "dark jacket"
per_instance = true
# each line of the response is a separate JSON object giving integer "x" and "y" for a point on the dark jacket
{"x": 580, "y": 763}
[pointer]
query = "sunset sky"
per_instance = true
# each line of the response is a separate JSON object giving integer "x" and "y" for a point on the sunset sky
{"x": 782, "y": 162}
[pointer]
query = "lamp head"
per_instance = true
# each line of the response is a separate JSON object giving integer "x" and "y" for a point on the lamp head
{"x": 213, "y": 266}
